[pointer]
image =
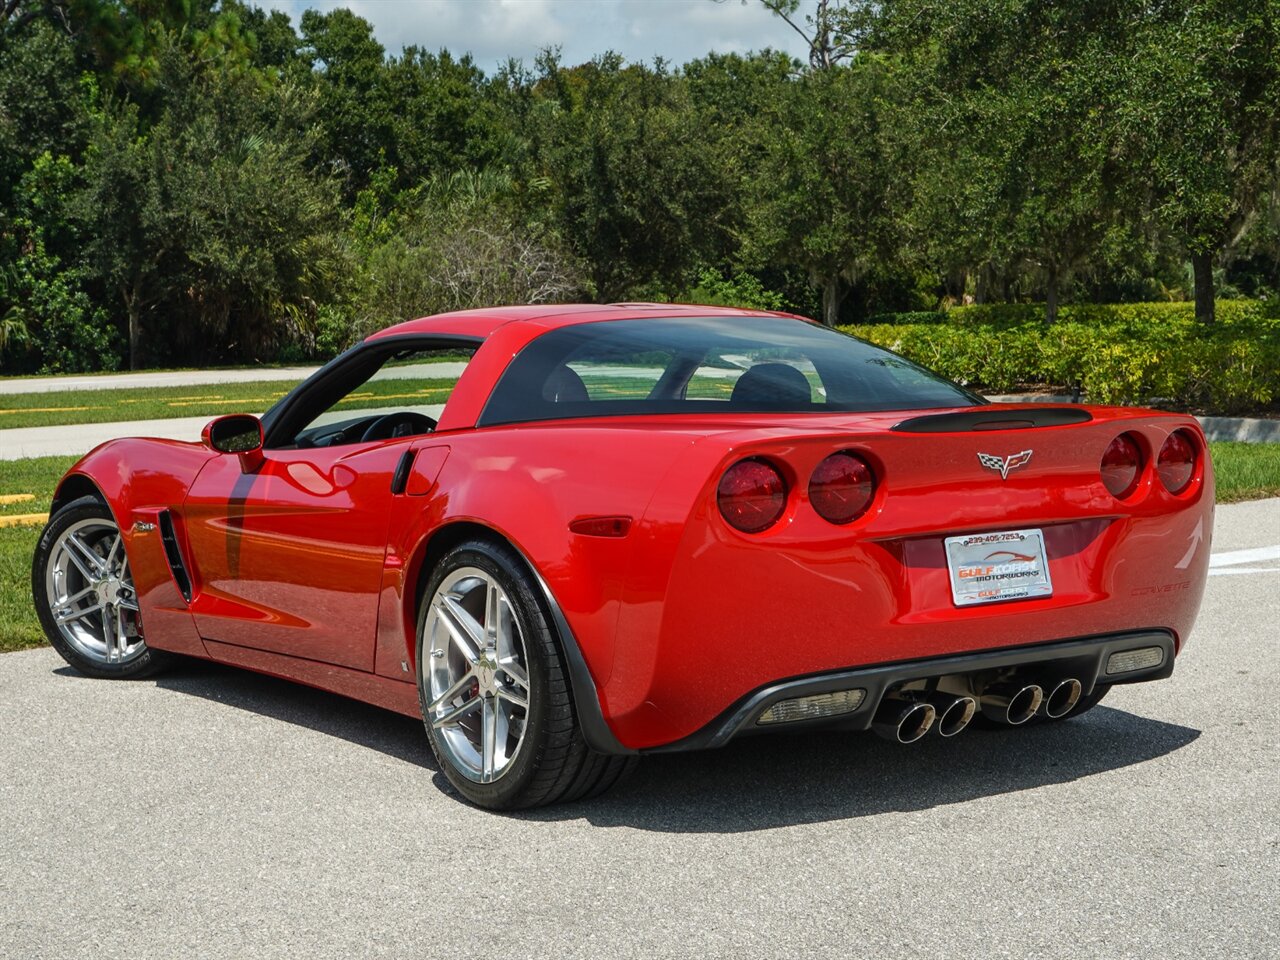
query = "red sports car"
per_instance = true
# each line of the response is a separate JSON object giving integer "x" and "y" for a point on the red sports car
{"x": 636, "y": 528}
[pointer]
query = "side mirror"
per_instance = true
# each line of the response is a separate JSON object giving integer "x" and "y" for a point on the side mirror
{"x": 238, "y": 433}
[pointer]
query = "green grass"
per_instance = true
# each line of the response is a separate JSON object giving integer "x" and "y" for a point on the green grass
{"x": 18, "y": 625}
{"x": 1245, "y": 471}
{"x": 156, "y": 403}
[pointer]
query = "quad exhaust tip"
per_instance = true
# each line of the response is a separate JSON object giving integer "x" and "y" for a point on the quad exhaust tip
{"x": 1012, "y": 703}
{"x": 1059, "y": 701}
{"x": 903, "y": 720}
{"x": 954, "y": 713}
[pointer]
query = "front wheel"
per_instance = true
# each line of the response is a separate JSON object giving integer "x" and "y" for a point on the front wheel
{"x": 493, "y": 688}
{"x": 84, "y": 594}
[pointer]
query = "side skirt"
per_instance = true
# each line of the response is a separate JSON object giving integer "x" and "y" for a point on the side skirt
{"x": 395, "y": 695}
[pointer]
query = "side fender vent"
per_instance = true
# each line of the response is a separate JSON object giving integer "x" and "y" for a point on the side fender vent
{"x": 991, "y": 417}
{"x": 173, "y": 552}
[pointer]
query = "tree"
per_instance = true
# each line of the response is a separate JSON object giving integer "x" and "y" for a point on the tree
{"x": 210, "y": 218}
{"x": 1010, "y": 121}
{"x": 632, "y": 185}
{"x": 825, "y": 30}
{"x": 826, "y": 195}
{"x": 461, "y": 241}
{"x": 1201, "y": 123}
{"x": 355, "y": 114}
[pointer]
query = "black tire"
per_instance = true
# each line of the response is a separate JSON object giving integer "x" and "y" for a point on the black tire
{"x": 142, "y": 660}
{"x": 553, "y": 763}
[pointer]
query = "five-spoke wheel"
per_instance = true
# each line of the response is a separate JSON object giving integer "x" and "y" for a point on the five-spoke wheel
{"x": 495, "y": 696}
{"x": 474, "y": 667}
{"x": 84, "y": 593}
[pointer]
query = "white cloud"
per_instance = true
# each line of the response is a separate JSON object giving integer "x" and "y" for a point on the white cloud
{"x": 494, "y": 30}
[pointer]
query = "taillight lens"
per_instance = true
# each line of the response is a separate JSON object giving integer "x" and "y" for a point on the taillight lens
{"x": 1121, "y": 466}
{"x": 841, "y": 488}
{"x": 1177, "y": 461}
{"x": 752, "y": 495}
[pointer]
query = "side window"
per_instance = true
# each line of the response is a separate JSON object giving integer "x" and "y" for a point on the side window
{"x": 404, "y": 395}
{"x": 722, "y": 374}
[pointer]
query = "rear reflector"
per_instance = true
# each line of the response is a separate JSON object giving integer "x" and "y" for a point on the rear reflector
{"x": 752, "y": 495}
{"x": 1177, "y": 461}
{"x": 1141, "y": 659}
{"x": 814, "y": 707}
{"x": 601, "y": 526}
{"x": 841, "y": 488}
{"x": 1121, "y": 466}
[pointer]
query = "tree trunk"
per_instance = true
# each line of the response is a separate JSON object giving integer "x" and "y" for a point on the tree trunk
{"x": 1051, "y": 299}
{"x": 832, "y": 296}
{"x": 1202, "y": 267}
{"x": 984, "y": 285}
{"x": 135, "y": 329}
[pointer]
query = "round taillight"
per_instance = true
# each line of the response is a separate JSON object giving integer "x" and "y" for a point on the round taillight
{"x": 1121, "y": 466}
{"x": 841, "y": 488}
{"x": 752, "y": 495}
{"x": 1177, "y": 461}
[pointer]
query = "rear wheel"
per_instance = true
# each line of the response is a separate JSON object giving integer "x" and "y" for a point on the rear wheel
{"x": 493, "y": 687}
{"x": 84, "y": 594}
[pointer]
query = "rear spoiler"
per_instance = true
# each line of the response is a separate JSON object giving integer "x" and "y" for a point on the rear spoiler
{"x": 986, "y": 418}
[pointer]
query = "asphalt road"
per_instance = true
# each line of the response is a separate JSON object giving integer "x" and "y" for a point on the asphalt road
{"x": 214, "y": 813}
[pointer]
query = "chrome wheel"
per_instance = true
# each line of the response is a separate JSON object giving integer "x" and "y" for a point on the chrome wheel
{"x": 90, "y": 593}
{"x": 475, "y": 671}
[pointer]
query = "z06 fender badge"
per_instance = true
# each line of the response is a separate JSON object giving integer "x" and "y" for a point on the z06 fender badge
{"x": 1005, "y": 465}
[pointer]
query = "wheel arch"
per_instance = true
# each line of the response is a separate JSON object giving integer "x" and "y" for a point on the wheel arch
{"x": 586, "y": 697}
{"x": 74, "y": 486}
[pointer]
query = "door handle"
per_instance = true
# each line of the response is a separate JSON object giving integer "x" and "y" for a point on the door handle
{"x": 400, "y": 478}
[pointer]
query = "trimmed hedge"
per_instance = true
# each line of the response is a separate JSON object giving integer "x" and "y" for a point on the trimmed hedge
{"x": 1250, "y": 315}
{"x": 1140, "y": 353}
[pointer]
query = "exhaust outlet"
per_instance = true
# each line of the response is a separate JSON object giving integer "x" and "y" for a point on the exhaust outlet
{"x": 903, "y": 720}
{"x": 953, "y": 712}
{"x": 1011, "y": 703}
{"x": 1060, "y": 700}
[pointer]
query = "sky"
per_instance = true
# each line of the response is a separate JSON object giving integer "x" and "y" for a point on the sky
{"x": 494, "y": 30}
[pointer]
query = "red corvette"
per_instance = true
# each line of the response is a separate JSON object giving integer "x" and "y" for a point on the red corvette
{"x": 641, "y": 527}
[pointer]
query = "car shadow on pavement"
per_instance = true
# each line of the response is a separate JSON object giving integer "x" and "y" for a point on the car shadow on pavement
{"x": 399, "y": 737}
{"x": 753, "y": 783}
{"x": 760, "y": 783}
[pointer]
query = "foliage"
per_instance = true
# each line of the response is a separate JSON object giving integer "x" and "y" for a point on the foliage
{"x": 740, "y": 290}
{"x": 194, "y": 181}
{"x": 457, "y": 243}
{"x": 1132, "y": 353}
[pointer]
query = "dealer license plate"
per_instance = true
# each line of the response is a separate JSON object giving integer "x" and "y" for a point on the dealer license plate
{"x": 987, "y": 567}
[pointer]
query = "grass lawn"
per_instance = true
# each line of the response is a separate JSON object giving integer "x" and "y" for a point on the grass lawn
{"x": 1245, "y": 471}
{"x": 18, "y": 626}
{"x": 156, "y": 403}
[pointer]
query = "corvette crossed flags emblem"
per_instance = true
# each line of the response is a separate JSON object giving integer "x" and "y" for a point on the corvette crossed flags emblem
{"x": 1004, "y": 465}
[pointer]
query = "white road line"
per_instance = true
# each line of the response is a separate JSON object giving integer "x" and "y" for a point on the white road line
{"x": 1232, "y": 557}
{"x": 1228, "y": 562}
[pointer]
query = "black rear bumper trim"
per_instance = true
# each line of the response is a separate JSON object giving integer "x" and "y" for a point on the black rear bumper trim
{"x": 1085, "y": 659}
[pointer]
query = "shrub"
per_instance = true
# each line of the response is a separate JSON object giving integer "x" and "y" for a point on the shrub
{"x": 1121, "y": 354}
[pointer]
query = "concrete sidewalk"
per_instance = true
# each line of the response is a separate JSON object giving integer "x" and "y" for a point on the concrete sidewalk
{"x": 80, "y": 438}
{"x": 174, "y": 378}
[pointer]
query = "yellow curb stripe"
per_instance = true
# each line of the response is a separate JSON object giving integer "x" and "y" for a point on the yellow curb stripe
{"x": 16, "y": 497}
{"x": 47, "y": 409}
{"x": 24, "y": 520}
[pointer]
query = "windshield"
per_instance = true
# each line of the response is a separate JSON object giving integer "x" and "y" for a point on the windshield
{"x": 709, "y": 365}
